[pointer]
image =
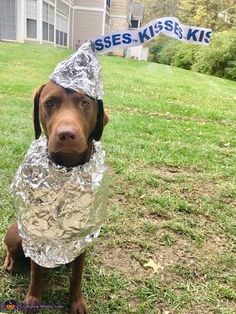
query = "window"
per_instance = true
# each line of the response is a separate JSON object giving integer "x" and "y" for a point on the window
{"x": 8, "y": 19}
{"x": 31, "y": 18}
{"x": 48, "y": 22}
{"x": 62, "y": 30}
{"x": 135, "y": 23}
{"x": 109, "y": 3}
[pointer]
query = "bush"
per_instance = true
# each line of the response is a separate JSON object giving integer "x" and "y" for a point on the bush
{"x": 163, "y": 50}
{"x": 156, "y": 48}
{"x": 218, "y": 59}
{"x": 167, "y": 54}
{"x": 230, "y": 71}
{"x": 185, "y": 56}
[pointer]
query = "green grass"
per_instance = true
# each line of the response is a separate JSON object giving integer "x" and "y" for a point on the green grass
{"x": 171, "y": 151}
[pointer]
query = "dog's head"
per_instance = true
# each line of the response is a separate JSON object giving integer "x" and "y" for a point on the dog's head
{"x": 70, "y": 120}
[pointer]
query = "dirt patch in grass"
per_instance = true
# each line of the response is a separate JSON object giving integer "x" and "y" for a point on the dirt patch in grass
{"x": 171, "y": 116}
{"x": 181, "y": 262}
{"x": 120, "y": 259}
{"x": 213, "y": 246}
{"x": 172, "y": 172}
{"x": 130, "y": 259}
{"x": 184, "y": 182}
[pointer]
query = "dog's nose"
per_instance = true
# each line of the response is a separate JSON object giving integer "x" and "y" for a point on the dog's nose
{"x": 66, "y": 134}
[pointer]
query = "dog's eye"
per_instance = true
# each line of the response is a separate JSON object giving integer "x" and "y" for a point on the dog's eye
{"x": 84, "y": 103}
{"x": 50, "y": 103}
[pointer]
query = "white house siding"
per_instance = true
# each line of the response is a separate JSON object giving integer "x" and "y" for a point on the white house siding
{"x": 87, "y": 24}
{"x": 119, "y": 19}
{"x": 90, "y": 3}
{"x": 119, "y": 7}
{"x": 75, "y": 20}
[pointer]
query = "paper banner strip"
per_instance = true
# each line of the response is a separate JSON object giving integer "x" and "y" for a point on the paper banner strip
{"x": 169, "y": 26}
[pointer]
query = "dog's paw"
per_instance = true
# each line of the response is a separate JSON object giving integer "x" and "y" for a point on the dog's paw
{"x": 31, "y": 304}
{"x": 79, "y": 307}
{"x": 9, "y": 264}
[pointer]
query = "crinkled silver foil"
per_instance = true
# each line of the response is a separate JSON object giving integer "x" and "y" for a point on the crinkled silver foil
{"x": 61, "y": 209}
{"x": 80, "y": 72}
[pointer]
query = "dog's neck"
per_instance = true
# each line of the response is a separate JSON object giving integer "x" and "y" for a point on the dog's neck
{"x": 73, "y": 160}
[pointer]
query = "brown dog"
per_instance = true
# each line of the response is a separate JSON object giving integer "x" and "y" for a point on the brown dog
{"x": 71, "y": 121}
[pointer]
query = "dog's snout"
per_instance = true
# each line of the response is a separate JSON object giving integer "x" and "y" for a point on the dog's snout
{"x": 67, "y": 135}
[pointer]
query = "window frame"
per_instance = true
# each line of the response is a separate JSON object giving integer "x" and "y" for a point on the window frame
{"x": 133, "y": 26}
{"x": 62, "y": 34}
{"x": 108, "y": 3}
{"x": 30, "y": 18}
{"x": 47, "y": 21}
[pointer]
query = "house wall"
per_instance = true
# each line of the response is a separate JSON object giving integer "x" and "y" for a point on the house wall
{"x": 119, "y": 19}
{"x": 63, "y": 7}
{"x": 119, "y": 7}
{"x": 87, "y": 24}
{"x": 87, "y": 19}
{"x": 90, "y": 3}
{"x": 118, "y": 24}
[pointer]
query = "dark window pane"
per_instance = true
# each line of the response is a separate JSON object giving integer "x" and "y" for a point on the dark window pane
{"x": 61, "y": 38}
{"x": 134, "y": 23}
{"x": 57, "y": 37}
{"x": 51, "y": 32}
{"x": 45, "y": 31}
{"x": 31, "y": 28}
{"x": 65, "y": 39}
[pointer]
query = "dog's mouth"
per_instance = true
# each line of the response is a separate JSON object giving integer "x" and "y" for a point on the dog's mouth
{"x": 67, "y": 158}
{"x": 68, "y": 153}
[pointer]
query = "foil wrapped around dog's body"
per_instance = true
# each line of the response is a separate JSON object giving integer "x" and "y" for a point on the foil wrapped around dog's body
{"x": 60, "y": 210}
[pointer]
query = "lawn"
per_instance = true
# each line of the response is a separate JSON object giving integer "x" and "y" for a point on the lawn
{"x": 168, "y": 245}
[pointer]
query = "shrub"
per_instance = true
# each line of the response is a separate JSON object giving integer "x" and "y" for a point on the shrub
{"x": 230, "y": 71}
{"x": 219, "y": 58}
{"x": 185, "y": 56}
{"x": 163, "y": 50}
{"x": 156, "y": 48}
{"x": 167, "y": 54}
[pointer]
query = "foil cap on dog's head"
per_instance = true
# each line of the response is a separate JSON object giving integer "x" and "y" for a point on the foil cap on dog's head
{"x": 81, "y": 72}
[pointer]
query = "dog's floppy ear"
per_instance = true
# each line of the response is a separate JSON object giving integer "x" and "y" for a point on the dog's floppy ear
{"x": 37, "y": 128}
{"x": 97, "y": 134}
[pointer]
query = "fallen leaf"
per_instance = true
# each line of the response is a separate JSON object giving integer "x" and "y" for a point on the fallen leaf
{"x": 154, "y": 266}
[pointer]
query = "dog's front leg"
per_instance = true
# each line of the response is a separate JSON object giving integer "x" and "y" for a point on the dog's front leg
{"x": 34, "y": 294}
{"x": 77, "y": 302}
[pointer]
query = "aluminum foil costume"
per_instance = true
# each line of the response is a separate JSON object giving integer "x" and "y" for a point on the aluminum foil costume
{"x": 61, "y": 209}
{"x": 81, "y": 72}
